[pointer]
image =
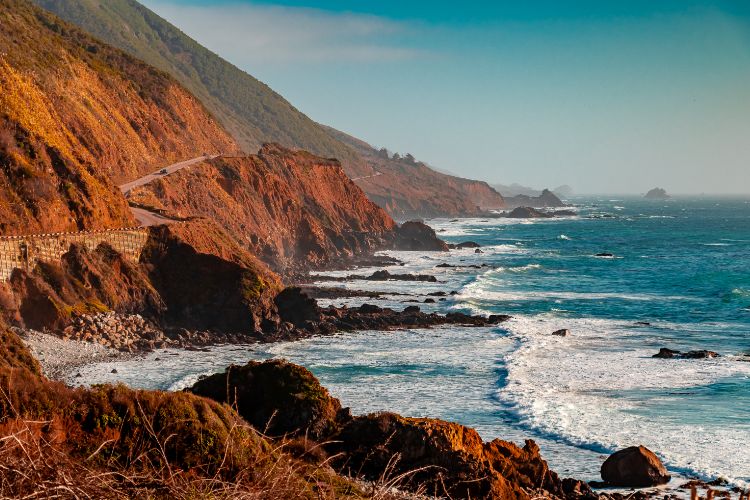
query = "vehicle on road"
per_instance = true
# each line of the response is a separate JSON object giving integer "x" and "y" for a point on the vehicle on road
{"x": 163, "y": 171}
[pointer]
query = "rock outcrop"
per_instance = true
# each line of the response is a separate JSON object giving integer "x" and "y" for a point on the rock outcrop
{"x": 277, "y": 397}
{"x": 665, "y": 353}
{"x": 418, "y": 236}
{"x": 657, "y": 194}
{"x": 527, "y": 213}
{"x": 636, "y": 466}
{"x": 547, "y": 199}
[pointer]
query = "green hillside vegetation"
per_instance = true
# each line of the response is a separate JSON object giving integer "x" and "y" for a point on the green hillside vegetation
{"x": 249, "y": 109}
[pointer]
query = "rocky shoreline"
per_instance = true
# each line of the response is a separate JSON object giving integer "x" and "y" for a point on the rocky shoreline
{"x": 110, "y": 336}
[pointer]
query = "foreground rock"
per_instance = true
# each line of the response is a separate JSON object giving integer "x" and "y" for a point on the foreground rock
{"x": 434, "y": 457}
{"x": 665, "y": 353}
{"x": 276, "y": 397}
{"x": 636, "y": 466}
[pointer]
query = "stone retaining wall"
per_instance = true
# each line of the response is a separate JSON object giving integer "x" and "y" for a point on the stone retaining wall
{"x": 24, "y": 252}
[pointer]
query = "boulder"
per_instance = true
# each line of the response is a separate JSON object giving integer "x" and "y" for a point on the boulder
{"x": 418, "y": 236}
{"x": 666, "y": 353}
{"x": 564, "y": 332}
{"x": 527, "y": 213}
{"x": 276, "y": 397}
{"x": 466, "y": 244}
{"x": 296, "y": 307}
{"x": 636, "y": 466}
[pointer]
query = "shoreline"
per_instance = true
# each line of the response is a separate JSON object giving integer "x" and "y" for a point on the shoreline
{"x": 350, "y": 293}
{"x": 80, "y": 354}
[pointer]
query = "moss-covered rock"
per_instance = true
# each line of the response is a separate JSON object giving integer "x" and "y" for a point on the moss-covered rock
{"x": 276, "y": 397}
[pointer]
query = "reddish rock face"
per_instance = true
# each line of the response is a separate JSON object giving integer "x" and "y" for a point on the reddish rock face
{"x": 292, "y": 209}
{"x": 79, "y": 117}
{"x": 636, "y": 466}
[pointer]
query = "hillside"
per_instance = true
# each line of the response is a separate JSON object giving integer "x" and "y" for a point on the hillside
{"x": 76, "y": 117}
{"x": 250, "y": 110}
{"x": 254, "y": 114}
{"x": 408, "y": 188}
{"x": 292, "y": 209}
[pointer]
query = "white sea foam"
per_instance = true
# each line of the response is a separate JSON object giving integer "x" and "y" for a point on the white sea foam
{"x": 565, "y": 387}
{"x": 476, "y": 291}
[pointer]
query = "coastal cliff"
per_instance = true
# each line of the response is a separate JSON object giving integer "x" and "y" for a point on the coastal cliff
{"x": 254, "y": 114}
{"x": 292, "y": 209}
{"x": 77, "y": 117}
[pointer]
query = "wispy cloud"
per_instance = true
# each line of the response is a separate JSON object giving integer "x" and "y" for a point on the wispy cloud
{"x": 262, "y": 34}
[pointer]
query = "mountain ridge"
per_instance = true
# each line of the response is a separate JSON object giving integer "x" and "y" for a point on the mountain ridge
{"x": 254, "y": 114}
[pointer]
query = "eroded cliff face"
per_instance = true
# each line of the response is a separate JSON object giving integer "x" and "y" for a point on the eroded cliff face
{"x": 292, "y": 209}
{"x": 78, "y": 117}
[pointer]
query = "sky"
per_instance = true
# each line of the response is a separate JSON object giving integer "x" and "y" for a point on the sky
{"x": 606, "y": 96}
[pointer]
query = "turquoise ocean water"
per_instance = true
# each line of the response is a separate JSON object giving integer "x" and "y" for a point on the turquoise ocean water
{"x": 679, "y": 278}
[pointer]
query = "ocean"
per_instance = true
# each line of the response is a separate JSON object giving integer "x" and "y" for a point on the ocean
{"x": 678, "y": 277}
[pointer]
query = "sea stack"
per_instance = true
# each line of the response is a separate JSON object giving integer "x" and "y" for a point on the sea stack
{"x": 657, "y": 194}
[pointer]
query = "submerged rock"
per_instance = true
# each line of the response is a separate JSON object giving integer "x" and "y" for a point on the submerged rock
{"x": 636, "y": 466}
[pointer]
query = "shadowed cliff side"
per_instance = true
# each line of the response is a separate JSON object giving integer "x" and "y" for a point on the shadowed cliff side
{"x": 191, "y": 275}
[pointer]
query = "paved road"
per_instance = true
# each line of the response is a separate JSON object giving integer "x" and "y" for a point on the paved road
{"x": 368, "y": 176}
{"x": 125, "y": 188}
{"x": 145, "y": 217}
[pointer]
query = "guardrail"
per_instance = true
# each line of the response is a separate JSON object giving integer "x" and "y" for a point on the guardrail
{"x": 24, "y": 251}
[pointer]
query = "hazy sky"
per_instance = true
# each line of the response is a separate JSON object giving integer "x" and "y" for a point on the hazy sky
{"x": 604, "y": 95}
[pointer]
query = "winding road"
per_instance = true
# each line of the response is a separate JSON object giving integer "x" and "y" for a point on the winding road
{"x": 368, "y": 176}
{"x": 146, "y": 217}
{"x": 125, "y": 188}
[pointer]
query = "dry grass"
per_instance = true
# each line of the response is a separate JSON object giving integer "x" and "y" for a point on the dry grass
{"x": 37, "y": 461}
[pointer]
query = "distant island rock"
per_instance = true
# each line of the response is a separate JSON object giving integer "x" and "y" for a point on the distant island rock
{"x": 657, "y": 194}
{"x": 546, "y": 199}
